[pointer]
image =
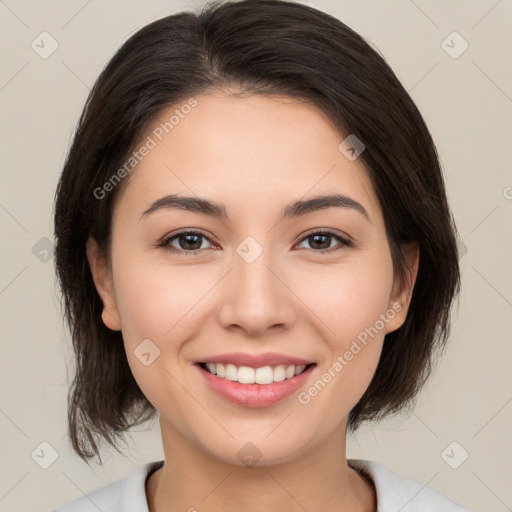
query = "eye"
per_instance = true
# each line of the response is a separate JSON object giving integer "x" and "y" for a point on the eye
{"x": 191, "y": 242}
{"x": 321, "y": 240}
{"x": 188, "y": 242}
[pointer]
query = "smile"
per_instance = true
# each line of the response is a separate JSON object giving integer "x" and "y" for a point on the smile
{"x": 247, "y": 375}
{"x": 254, "y": 387}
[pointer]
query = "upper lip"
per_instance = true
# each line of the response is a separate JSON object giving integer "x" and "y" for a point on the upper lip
{"x": 255, "y": 361}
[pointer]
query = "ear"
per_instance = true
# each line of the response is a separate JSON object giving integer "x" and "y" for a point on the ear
{"x": 401, "y": 294}
{"x": 103, "y": 281}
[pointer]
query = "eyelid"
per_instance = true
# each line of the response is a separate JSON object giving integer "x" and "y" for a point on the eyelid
{"x": 327, "y": 231}
{"x": 187, "y": 231}
{"x": 345, "y": 240}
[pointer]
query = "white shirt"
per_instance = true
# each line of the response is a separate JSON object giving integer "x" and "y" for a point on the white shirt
{"x": 395, "y": 493}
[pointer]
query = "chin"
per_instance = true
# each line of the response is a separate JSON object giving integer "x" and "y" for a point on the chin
{"x": 255, "y": 453}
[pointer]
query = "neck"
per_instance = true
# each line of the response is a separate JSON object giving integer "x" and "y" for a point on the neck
{"x": 194, "y": 480}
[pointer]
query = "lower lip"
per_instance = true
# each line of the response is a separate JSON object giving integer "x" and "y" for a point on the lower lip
{"x": 255, "y": 395}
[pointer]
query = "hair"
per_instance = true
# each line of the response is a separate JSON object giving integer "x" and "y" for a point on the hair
{"x": 259, "y": 47}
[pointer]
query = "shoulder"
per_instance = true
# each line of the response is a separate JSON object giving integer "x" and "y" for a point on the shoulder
{"x": 126, "y": 495}
{"x": 395, "y": 492}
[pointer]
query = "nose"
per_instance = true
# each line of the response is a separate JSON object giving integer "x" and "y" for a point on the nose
{"x": 256, "y": 298}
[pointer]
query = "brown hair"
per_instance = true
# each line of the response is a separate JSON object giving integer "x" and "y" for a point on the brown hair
{"x": 263, "y": 47}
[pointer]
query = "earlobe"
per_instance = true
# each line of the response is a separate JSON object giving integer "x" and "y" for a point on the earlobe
{"x": 103, "y": 283}
{"x": 399, "y": 302}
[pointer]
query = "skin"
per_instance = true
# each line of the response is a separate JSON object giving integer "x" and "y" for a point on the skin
{"x": 255, "y": 155}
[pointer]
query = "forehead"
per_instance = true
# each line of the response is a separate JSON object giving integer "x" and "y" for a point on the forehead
{"x": 239, "y": 150}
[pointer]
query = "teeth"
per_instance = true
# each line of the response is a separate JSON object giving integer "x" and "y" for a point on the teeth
{"x": 264, "y": 375}
{"x": 280, "y": 373}
{"x": 248, "y": 375}
{"x": 221, "y": 370}
{"x": 231, "y": 372}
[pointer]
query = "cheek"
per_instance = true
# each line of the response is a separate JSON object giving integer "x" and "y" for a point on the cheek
{"x": 349, "y": 301}
{"x": 157, "y": 299}
{"x": 348, "y": 298}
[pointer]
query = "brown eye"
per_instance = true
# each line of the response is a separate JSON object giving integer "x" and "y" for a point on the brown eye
{"x": 320, "y": 241}
{"x": 186, "y": 242}
{"x": 191, "y": 242}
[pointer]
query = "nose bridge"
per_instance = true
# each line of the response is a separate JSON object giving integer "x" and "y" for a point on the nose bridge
{"x": 257, "y": 298}
{"x": 252, "y": 268}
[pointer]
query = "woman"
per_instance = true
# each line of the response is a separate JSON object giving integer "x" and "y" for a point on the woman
{"x": 254, "y": 243}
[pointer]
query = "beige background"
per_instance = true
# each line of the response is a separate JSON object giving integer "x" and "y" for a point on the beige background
{"x": 467, "y": 103}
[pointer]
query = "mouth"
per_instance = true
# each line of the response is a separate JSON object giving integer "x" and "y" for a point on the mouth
{"x": 264, "y": 375}
{"x": 254, "y": 387}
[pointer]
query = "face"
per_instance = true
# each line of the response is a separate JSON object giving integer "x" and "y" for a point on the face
{"x": 187, "y": 286}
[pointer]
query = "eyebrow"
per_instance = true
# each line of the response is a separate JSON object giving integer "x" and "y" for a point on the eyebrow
{"x": 295, "y": 209}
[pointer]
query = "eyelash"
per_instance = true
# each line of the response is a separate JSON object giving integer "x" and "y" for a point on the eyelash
{"x": 344, "y": 242}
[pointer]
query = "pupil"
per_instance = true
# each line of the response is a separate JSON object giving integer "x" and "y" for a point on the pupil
{"x": 315, "y": 240}
{"x": 188, "y": 244}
